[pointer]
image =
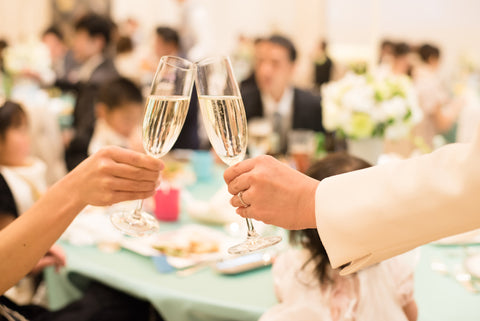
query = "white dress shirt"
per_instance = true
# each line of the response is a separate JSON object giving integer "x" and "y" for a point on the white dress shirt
{"x": 282, "y": 109}
{"x": 27, "y": 183}
{"x": 104, "y": 135}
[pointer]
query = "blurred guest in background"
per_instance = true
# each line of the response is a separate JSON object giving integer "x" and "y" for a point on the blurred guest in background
{"x": 22, "y": 182}
{"x": 167, "y": 42}
{"x": 131, "y": 29}
{"x": 385, "y": 56}
{"x": 323, "y": 65}
{"x": 119, "y": 111}
{"x": 439, "y": 111}
{"x": 63, "y": 61}
{"x": 401, "y": 64}
{"x": 273, "y": 95}
{"x": 92, "y": 36}
{"x": 126, "y": 59}
{"x": 3, "y": 45}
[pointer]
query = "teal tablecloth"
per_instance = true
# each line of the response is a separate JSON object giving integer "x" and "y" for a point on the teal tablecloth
{"x": 202, "y": 296}
{"x": 209, "y": 296}
{"x": 440, "y": 297}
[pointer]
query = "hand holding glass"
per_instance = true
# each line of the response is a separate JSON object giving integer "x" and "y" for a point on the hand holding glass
{"x": 166, "y": 110}
{"x": 226, "y": 124}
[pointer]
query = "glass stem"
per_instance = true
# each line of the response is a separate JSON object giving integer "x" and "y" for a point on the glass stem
{"x": 251, "y": 230}
{"x": 137, "y": 214}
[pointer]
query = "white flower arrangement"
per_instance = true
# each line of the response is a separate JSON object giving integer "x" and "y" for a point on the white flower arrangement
{"x": 366, "y": 106}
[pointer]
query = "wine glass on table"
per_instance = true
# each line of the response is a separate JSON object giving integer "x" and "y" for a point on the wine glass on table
{"x": 165, "y": 113}
{"x": 224, "y": 118}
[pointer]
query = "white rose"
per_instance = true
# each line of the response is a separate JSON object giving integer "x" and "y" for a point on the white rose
{"x": 331, "y": 116}
{"x": 397, "y": 131}
{"x": 395, "y": 108}
{"x": 379, "y": 115}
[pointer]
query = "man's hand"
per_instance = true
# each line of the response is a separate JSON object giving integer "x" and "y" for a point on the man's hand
{"x": 276, "y": 194}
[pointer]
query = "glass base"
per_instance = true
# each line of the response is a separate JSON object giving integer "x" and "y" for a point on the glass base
{"x": 256, "y": 243}
{"x": 128, "y": 224}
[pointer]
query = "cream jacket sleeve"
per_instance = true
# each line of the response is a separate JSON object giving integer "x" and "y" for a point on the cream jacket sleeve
{"x": 367, "y": 216}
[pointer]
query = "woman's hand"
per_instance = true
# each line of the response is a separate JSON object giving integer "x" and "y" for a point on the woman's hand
{"x": 276, "y": 194}
{"x": 114, "y": 175}
{"x": 54, "y": 257}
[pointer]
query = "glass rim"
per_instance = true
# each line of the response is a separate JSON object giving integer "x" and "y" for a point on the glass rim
{"x": 209, "y": 60}
{"x": 167, "y": 60}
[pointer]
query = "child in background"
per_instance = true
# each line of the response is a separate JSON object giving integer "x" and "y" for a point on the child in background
{"x": 25, "y": 175}
{"x": 309, "y": 289}
{"x": 119, "y": 116}
{"x": 22, "y": 182}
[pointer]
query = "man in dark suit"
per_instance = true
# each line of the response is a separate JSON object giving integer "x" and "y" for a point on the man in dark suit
{"x": 92, "y": 36}
{"x": 270, "y": 93}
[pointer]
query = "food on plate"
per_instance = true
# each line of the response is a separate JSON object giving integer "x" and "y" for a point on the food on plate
{"x": 187, "y": 247}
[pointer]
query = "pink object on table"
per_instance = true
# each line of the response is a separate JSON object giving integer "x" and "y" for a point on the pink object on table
{"x": 167, "y": 204}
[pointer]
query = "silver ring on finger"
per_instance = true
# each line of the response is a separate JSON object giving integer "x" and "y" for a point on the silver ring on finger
{"x": 241, "y": 200}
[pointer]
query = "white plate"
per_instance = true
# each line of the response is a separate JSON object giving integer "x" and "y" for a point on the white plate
{"x": 472, "y": 265}
{"x": 145, "y": 245}
{"x": 139, "y": 245}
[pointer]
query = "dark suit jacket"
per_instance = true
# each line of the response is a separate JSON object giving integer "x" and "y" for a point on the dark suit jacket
{"x": 84, "y": 112}
{"x": 307, "y": 110}
{"x": 323, "y": 72}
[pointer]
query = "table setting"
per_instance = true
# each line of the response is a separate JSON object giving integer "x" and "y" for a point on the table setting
{"x": 184, "y": 250}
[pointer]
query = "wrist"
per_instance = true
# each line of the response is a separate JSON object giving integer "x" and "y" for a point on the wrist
{"x": 308, "y": 201}
{"x": 70, "y": 186}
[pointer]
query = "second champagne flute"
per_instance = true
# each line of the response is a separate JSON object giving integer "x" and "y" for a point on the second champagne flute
{"x": 226, "y": 124}
{"x": 166, "y": 110}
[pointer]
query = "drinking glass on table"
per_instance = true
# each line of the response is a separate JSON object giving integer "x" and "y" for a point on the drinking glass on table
{"x": 259, "y": 136}
{"x": 224, "y": 118}
{"x": 301, "y": 147}
{"x": 166, "y": 110}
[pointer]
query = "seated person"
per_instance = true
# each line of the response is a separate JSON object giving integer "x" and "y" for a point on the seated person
{"x": 119, "y": 111}
{"x": 90, "y": 43}
{"x": 309, "y": 289}
{"x": 21, "y": 184}
{"x": 63, "y": 61}
{"x": 273, "y": 96}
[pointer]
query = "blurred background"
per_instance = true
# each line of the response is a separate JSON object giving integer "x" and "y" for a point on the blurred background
{"x": 382, "y": 80}
{"x": 353, "y": 29}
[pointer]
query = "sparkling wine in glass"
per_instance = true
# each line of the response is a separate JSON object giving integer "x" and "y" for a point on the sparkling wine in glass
{"x": 224, "y": 118}
{"x": 165, "y": 113}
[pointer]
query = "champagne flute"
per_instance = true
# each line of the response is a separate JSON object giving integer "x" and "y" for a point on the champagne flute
{"x": 226, "y": 125}
{"x": 259, "y": 136}
{"x": 166, "y": 110}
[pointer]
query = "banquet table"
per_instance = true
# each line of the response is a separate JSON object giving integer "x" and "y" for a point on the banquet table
{"x": 207, "y": 295}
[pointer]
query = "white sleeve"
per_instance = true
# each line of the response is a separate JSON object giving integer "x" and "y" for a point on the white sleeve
{"x": 369, "y": 215}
